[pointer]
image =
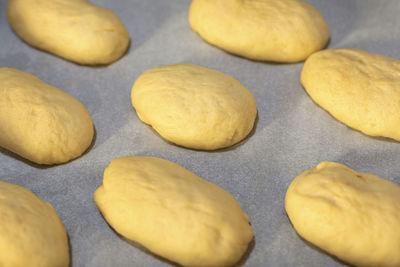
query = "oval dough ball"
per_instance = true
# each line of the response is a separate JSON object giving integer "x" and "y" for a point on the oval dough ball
{"x": 272, "y": 30}
{"x": 173, "y": 212}
{"x": 194, "y": 107}
{"x": 353, "y": 216}
{"x": 358, "y": 88}
{"x": 40, "y": 122}
{"x": 31, "y": 233}
{"x": 76, "y": 30}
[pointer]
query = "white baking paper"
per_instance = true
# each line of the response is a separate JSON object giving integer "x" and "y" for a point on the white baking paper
{"x": 292, "y": 133}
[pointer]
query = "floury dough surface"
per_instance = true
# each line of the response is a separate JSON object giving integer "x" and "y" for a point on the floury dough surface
{"x": 31, "y": 233}
{"x": 353, "y": 216}
{"x": 193, "y": 106}
{"x": 40, "y": 122}
{"x": 173, "y": 212}
{"x": 76, "y": 30}
{"x": 292, "y": 133}
{"x": 269, "y": 30}
{"x": 358, "y": 88}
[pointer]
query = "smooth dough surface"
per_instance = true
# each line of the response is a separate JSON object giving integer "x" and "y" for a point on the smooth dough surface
{"x": 40, "y": 122}
{"x": 193, "y": 106}
{"x": 173, "y": 212}
{"x": 358, "y": 88}
{"x": 268, "y": 30}
{"x": 353, "y": 216}
{"x": 76, "y": 30}
{"x": 31, "y": 233}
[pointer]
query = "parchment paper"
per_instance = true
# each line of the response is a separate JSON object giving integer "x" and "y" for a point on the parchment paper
{"x": 292, "y": 133}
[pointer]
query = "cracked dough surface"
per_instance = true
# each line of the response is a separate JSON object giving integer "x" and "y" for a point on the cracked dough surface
{"x": 76, "y": 30}
{"x": 353, "y": 216}
{"x": 358, "y": 88}
{"x": 40, "y": 122}
{"x": 31, "y": 233}
{"x": 173, "y": 212}
{"x": 271, "y": 30}
{"x": 193, "y": 106}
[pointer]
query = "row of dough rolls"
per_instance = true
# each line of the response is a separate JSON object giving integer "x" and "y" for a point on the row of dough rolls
{"x": 348, "y": 214}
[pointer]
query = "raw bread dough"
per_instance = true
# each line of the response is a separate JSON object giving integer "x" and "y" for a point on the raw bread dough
{"x": 31, "y": 233}
{"x": 173, "y": 212}
{"x": 194, "y": 107}
{"x": 358, "y": 88}
{"x": 40, "y": 122}
{"x": 76, "y": 30}
{"x": 354, "y": 216}
{"x": 272, "y": 30}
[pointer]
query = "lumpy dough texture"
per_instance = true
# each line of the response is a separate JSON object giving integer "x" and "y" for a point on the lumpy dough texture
{"x": 31, "y": 233}
{"x": 173, "y": 212}
{"x": 40, "y": 122}
{"x": 75, "y": 30}
{"x": 194, "y": 107}
{"x": 353, "y": 216}
{"x": 358, "y": 88}
{"x": 270, "y": 30}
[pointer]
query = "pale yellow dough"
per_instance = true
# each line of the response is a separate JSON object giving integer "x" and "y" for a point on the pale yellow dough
{"x": 31, "y": 233}
{"x": 76, "y": 30}
{"x": 353, "y": 216}
{"x": 173, "y": 212}
{"x": 193, "y": 106}
{"x": 358, "y": 88}
{"x": 271, "y": 30}
{"x": 40, "y": 122}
